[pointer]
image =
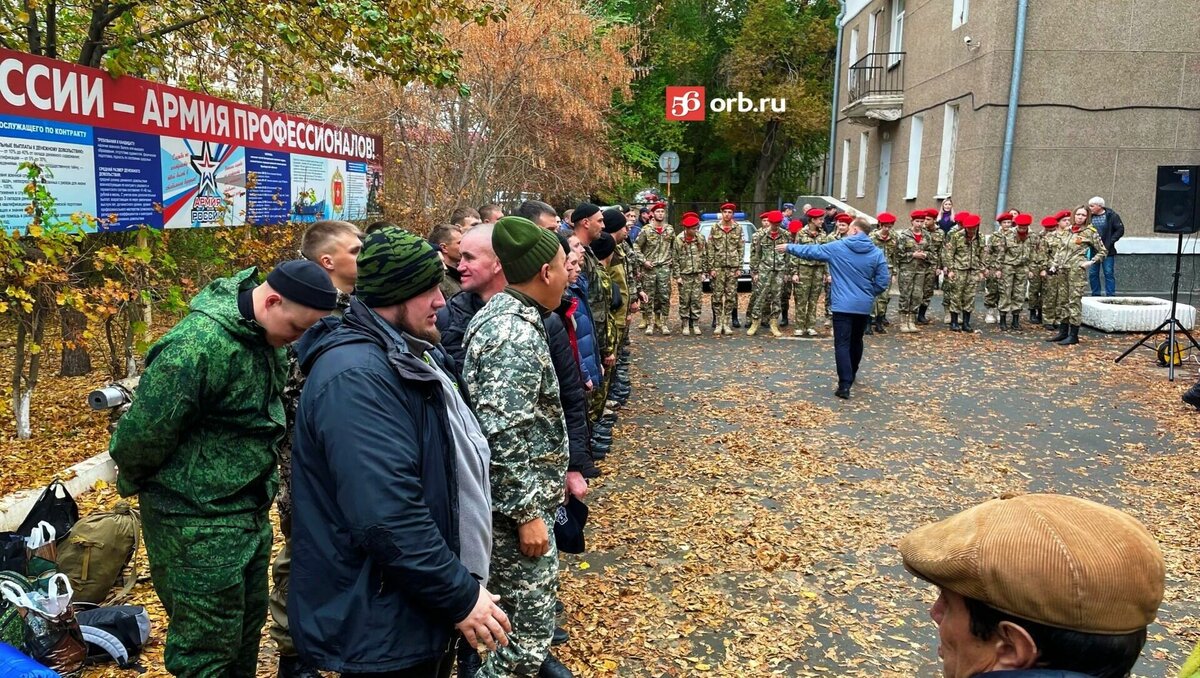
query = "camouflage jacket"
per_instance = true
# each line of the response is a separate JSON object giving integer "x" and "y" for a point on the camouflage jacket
{"x": 1011, "y": 251}
{"x": 961, "y": 254}
{"x": 907, "y": 245}
{"x": 655, "y": 247}
{"x": 1073, "y": 248}
{"x": 200, "y": 438}
{"x": 633, "y": 260}
{"x": 888, "y": 246}
{"x": 510, "y": 377}
{"x": 689, "y": 257}
{"x": 763, "y": 257}
{"x": 937, "y": 243}
{"x": 726, "y": 249}
{"x": 991, "y": 248}
{"x": 805, "y": 237}
{"x": 618, "y": 273}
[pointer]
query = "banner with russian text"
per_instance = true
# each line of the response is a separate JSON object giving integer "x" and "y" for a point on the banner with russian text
{"x": 133, "y": 152}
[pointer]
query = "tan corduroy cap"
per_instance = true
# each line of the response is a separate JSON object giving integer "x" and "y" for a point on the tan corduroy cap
{"x": 1052, "y": 559}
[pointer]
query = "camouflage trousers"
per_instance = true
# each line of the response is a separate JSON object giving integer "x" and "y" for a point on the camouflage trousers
{"x": 1012, "y": 288}
{"x": 912, "y": 287}
{"x": 881, "y": 301}
{"x": 281, "y": 570}
{"x": 1036, "y": 285}
{"x": 528, "y": 589}
{"x": 690, "y": 292}
{"x": 1054, "y": 298}
{"x": 991, "y": 291}
{"x": 658, "y": 288}
{"x": 724, "y": 293}
{"x": 212, "y": 581}
{"x": 1075, "y": 288}
{"x": 785, "y": 295}
{"x": 960, "y": 297}
{"x": 767, "y": 290}
{"x": 931, "y": 278}
{"x": 807, "y": 292}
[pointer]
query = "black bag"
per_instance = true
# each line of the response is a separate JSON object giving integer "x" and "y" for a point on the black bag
{"x": 569, "y": 522}
{"x": 118, "y": 632}
{"x": 57, "y": 507}
{"x": 13, "y": 555}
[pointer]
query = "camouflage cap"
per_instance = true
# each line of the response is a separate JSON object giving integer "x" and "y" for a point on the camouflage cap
{"x": 394, "y": 266}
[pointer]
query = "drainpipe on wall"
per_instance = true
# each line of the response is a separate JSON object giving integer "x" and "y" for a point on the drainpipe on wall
{"x": 1010, "y": 125}
{"x": 837, "y": 82}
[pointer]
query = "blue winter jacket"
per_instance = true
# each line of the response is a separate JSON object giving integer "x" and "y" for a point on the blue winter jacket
{"x": 858, "y": 268}
{"x": 585, "y": 333}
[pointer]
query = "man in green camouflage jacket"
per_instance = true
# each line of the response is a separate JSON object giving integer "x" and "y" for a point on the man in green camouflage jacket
{"x": 655, "y": 244}
{"x": 689, "y": 261}
{"x": 726, "y": 248}
{"x": 512, "y": 383}
{"x": 198, "y": 446}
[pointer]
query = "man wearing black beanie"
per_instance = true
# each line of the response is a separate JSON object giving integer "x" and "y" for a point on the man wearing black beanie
{"x": 198, "y": 446}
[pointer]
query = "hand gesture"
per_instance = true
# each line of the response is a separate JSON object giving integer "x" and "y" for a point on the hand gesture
{"x": 486, "y": 624}
{"x": 950, "y": 275}
{"x": 1086, "y": 264}
{"x": 534, "y": 538}
{"x": 781, "y": 248}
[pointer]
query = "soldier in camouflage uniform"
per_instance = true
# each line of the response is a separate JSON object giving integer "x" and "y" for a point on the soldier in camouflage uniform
{"x": 199, "y": 446}
{"x": 689, "y": 261}
{"x": 937, "y": 240}
{"x": 726, "y": 247}
{"x": 1012, "y": 258}
{"x": 886, "y": 242}
{"x": 511, "y": 379}
{"x": 913, "y": 264}
{"x": 654, "y": 244}
{"x": 1070, "y": 265}
{"x": 1053, "y": 293}
{"x": 962, "y": 258}
{"x": 768, "y": 268}
{"x": 634, "y": 297}
{"x": 808, "y": 276}
{"x": 991, "y": 280}
{"x": 1038, "y": 262}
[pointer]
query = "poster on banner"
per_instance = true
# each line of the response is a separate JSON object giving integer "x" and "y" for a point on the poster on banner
{"x": 136, "y": 153}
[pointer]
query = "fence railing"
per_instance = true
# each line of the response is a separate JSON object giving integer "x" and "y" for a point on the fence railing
{"x": 876, "y": 73}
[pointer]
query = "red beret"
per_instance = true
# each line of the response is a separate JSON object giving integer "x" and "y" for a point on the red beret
{"x": 774, "y": 216}
{"x": 958, "y": 218}
{"x": 815, "y": 213}
{"x": 1023, "y": 219}
{"x": 1004, "y": 216}
{"x": 1050, "y": 222}
{"x": 971, "y": 221}
{"x": 918, "y": 214}
{"x": 932, "y": 212}
{"x": 690, "y": 219}
{"x": 886, "y": 218}
{"x": 844, "y": 218}
{"x": 1062, "y": 214}
{"x": 659, "y": 206}
{"x": 729, "y": 206}
{"x": 794, "y": 226}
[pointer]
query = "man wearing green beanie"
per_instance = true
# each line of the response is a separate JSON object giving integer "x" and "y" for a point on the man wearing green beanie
{"x": 392, "y": 518}
{"x": 511, "y": 380}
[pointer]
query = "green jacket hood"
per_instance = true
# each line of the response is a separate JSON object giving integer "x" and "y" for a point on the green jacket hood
{"x": 219, "y": 301}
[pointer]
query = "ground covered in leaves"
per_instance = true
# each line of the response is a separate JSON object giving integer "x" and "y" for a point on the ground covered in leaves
{"x": 746, "y": 521}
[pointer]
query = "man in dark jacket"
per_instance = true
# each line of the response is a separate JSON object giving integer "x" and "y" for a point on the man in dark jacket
{"x": 392, "y": 521}
{"x": 199, "y": 446}
{"x": 1111, "y": 229}
{"x": 1038, "y": 586}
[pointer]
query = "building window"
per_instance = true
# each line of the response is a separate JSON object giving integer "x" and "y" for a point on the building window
{"x": 872, "y": 30}
{"x": 845, "y": 169}
{"x": 914, "y": 157}
{"x": 853, "y": 77}
{"x": 949, "y": 144}
{"x": 897, "y": 41}
{"x": 961, "y": 9}
{"x": 861, "y": 190}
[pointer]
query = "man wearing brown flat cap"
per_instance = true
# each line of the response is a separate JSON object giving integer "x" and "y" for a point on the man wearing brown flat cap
{"x": 1039, "y": 586}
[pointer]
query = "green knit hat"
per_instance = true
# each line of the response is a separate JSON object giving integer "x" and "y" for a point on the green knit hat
{"x": 522, "y": 247}
{"x": 394, "y": 266}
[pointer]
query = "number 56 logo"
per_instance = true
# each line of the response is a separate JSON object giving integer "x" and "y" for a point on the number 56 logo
{"x": 685, "y": 103}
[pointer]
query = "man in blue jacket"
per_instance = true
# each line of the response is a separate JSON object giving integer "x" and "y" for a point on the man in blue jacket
{"x": 860, "y": 273}
{"x": 392, "y": 519}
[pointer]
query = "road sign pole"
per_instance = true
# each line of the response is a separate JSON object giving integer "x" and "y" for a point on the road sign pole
{"x": 668, "y": 187}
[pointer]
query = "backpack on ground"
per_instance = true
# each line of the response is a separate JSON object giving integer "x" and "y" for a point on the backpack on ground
{"x": 118, "y": 632}
{"x": 97, "y": 551}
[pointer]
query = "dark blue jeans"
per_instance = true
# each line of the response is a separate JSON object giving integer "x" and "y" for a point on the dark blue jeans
{"x": 1110, "y": 278}
{"x": 848, "y": 331}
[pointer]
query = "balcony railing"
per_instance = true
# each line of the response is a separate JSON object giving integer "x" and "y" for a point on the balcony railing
{"x": 876, "y": 73}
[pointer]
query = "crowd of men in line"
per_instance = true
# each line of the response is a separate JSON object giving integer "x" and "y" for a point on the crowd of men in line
{"x": 425, "y": 449}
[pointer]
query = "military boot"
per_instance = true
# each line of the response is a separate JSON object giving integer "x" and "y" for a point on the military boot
{"x": 1192, "y": 396}
{"x": 1072, "y": 337}
{"x": 880, "y": 321}
{"x": 290, "y": 666}
{"x": 1003, "y": 324}
{"x": 736, "y": 323}
{"x": 1033, "y": 315}
{"x": 753, "y": 328}
{"x": 649, "y": 326}
{"x": 870, "y": 326}
{"x": 966, "y": 323}
{"x": 552, "y": 668}
{"x": 783, "y": 321}
{"x": 1064, "y": 331}
{"x": 1016, "y": 320}
{"x": 664, "y": 325}
{"x": 642, "y": 321}
{"x": 921, "y": 319}
{"x": 954, "y": 327}
{"x": 907, "y": 325}
{"x": 774, "y": 326}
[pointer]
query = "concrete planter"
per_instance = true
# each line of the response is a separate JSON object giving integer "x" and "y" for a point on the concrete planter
{"x": 1133, "y": 314}
{"x": 80, "y": 478}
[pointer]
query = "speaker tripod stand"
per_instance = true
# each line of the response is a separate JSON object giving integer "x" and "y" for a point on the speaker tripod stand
{"x": 1171, "y": 326}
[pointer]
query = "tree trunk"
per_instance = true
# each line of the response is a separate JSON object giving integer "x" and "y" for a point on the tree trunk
{"x": 76, "y": 361}
{"x": 775, "y": 148}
